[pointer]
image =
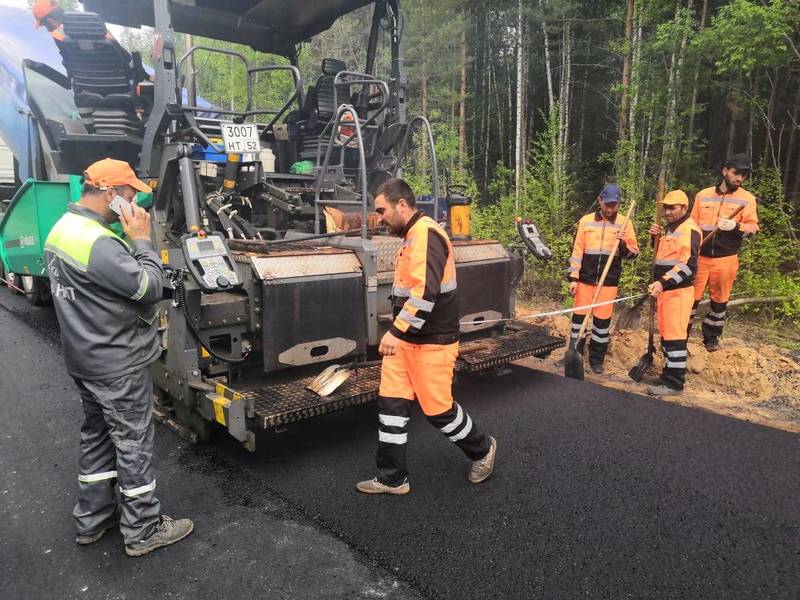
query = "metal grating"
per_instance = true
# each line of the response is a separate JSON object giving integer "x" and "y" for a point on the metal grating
{"x": 285, "y": 403}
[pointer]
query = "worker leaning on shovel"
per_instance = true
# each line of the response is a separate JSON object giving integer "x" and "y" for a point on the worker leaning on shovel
{"x": 594, "y": 241}
{"x": 420, "y": 349}
{"x": 730, "y": 211}
{"x": 674, "y": 271}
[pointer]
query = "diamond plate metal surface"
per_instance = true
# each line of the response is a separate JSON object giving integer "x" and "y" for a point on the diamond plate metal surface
{"x": 479, "y": 251}
{"x": 289, "y": 402}
{"x": 305, "y": 265}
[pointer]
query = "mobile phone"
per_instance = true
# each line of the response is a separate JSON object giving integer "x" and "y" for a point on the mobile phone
{"x": 117, "y": 203}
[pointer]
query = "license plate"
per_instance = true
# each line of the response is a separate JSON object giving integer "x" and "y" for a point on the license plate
{"x": 240, "y": 137}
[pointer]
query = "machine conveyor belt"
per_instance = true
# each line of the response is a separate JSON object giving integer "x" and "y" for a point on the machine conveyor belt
{"x": 288, "y": 402}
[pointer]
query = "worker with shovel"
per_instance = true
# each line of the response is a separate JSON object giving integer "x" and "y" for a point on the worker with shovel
{"x": 595, "y": 239}
{"x": 725, "y": 213}
{"x": 674, "y": 271}
{"x": 420, "y": 349}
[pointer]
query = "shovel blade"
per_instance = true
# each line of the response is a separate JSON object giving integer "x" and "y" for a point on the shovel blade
{"x": 573, "y": 364}
{"x": 321, "y": 379}
{"x": 334, "y": 382}
{"x": 639, "y": 370}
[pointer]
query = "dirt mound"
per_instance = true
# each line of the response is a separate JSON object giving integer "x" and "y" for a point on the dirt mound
{"x": 746, "y": 379}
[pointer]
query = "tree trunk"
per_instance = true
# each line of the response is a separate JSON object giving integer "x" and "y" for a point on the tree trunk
{"x": 769, "y": 148}
{"x": 547, "y": 66}
{"x": 462, "y": 114}
{"x": 520, "y": 118}
{"x": 626, "y": 71}
{"x": 693, "y": 108}
{"x": 792, "y": 137}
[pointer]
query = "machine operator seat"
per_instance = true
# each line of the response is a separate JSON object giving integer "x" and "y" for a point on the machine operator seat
{"x": 319, "y": 107}
{"x": 103, "y": 76}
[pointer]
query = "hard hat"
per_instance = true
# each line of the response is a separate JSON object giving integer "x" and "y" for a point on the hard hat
{"x": 740, "y": 162}
{"x": 610, "y": 194}
{"x": 109, "y": 173}
{"x": 42, "y": 9}
{"x": 675, "y": 197}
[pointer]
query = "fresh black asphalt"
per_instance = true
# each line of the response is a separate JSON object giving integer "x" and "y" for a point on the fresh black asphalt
{"x": 596, "y": 494}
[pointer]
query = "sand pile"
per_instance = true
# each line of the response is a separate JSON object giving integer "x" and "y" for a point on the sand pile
{"x": 750, "y": 380}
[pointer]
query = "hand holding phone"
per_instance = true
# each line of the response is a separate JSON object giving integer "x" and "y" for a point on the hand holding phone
{"x": 135, "y": 222}
{"x": 117, "y": 203}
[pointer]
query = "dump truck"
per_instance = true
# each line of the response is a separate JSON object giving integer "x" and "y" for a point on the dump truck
{"x": 263, "y": 217}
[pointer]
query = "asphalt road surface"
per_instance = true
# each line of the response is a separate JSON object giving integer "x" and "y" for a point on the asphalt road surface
{"x": 596, "y": 494}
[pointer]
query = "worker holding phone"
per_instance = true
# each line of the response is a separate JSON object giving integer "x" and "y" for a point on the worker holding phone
{"x": 105, "y": 290}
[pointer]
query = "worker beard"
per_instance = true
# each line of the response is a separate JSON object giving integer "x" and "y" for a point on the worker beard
{"x": 732, "y": 187}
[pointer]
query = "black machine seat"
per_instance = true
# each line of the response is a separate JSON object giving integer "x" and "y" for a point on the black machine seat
{"x": 103, "y": 76}
{"x": 319, "y": 107}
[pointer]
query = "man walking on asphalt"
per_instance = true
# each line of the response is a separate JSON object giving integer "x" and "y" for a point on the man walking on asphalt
{"x": 673, "y": 276}
{"x": 594, "y": 240}
{"x": 719, "y": 258}
{"x": 105, "y": 290}
{"x": 420, "y": 349}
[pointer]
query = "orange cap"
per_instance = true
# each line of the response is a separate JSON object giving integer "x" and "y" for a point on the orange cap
{"x": 42, "y": 8}
{"x": 675, "y": 197}
{"x": 109, "y": 172}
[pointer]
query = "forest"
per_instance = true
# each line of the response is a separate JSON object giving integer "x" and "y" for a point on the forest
{"x": 538, "y": 103}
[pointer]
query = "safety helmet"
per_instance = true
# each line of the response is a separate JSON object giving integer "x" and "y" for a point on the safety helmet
{"x": 42, "y": 9}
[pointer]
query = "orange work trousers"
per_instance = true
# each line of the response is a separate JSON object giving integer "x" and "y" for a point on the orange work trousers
{"x": 718, "y": 274}
{"x": 423, "y": 372}
{"x": 585, "y": 293}
{"x": 674, "y": 309}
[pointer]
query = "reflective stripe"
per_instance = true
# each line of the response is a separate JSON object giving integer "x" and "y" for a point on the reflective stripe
{"x": 93, "y": 477}
{"x": 73, "y": 237}
{"x": 576, "y": 259}
{"x": 596, "y": 252}
{"x": 676, "y": 353}
{"x": 421, "y": 303}
{"x": 401, "y": 292}
{"x": 392, "y": 438}
{"x": 411, "y": 319}
{"x": 599, "y": 339}
{"x": 139, "y": 490}
{"x": 685, "y": 268}
{"x": 575, "y": 326}
{"x": 714, "y": 322}
{"x": 667, "y": 262}
{"x": 676, "y": 365}
{"x": 601, "y": 224}
{"x": 448, "y": 286}
{"x": 721, "y": 200}
{"x": 599, "y": 331}
{"x": 677, "y": 277}
{"x": 142, "y": 286}
{"x": 573, "y": 270}
{"x": 451, "y": 426}
{"x": 707, "y": 227}
{"x": 464, "y": 432}
{"x": 720, "y": 315}
{"x": 392, "y": 420}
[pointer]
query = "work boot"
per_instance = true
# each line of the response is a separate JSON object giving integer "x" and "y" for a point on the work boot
{"x": 481, "y": 469}
{"x": 84, "y": 539}
{"x": 373, "y": 486}
{"x": 663, "y": 390}
{"x": 712, "y": 344}
{"x": 597, "y": 368}
{"x": 168, "y": 532}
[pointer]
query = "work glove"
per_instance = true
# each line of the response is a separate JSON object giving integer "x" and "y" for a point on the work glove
{"x": 726, "y": 224}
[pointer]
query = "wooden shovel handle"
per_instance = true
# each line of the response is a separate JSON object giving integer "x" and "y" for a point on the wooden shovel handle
{"x": 606, "y": 269}
{"x": 713, "y": 232}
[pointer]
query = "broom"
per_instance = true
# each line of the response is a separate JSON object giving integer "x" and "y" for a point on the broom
{"x": 573, "y": 360}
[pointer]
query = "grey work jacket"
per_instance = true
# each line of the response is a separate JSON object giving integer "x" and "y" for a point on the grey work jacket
{"x": 104, "y": 291}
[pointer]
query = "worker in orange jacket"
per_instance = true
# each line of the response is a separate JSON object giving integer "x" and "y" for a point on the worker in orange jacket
{"x": 597, "y": 233}
{"x": 719, "y": 258}
{"x": 674, "y": 273}
{"x": 421, "y": 347}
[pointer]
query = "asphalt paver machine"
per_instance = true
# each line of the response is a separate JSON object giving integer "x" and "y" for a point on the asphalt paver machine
{"x": 263, "y": 216}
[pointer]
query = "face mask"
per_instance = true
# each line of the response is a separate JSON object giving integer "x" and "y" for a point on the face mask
{"x": 117, "y": 203}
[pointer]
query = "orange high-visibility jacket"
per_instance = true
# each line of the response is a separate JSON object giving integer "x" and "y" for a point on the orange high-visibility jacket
{"x": 424, "y": 299}
{"x": 594, "y": 241}
{"x": 710, "y": 205}
{"x": 676, "y": 257}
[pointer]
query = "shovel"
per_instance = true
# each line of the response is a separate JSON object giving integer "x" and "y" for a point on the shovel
{"x": 573, "y": 360}
{"x": 332, "y": 378}
{"x": 639, "y": 370}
